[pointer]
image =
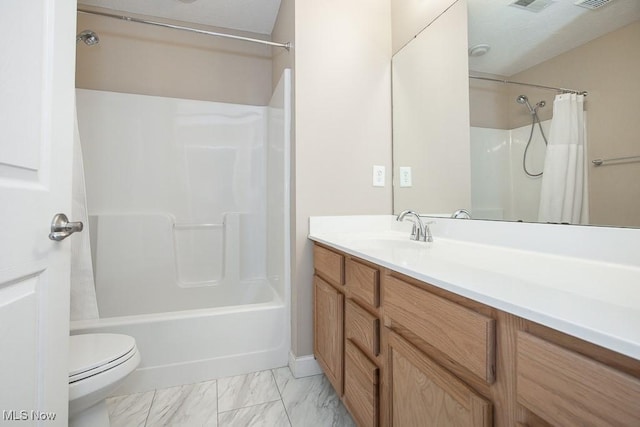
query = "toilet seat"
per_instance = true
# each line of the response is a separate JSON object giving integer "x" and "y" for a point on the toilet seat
{"x": 93, "y": 354}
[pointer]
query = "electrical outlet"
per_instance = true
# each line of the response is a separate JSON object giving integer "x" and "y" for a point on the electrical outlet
{"x": 405, "y": 176}
{"x": 378, "y": 176}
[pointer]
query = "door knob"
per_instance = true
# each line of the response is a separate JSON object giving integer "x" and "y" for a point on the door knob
{"x": 61, "y": 228}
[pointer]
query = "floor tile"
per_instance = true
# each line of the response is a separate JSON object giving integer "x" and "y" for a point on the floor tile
{"x": 311, "y": 401}
{"x": 246, "y": 390}
{"x": 264, "y": 415}
{"x": 191, "y": 405}
{"x": 130, "y": 410}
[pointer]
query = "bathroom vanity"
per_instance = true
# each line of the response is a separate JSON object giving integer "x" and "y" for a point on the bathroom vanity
{"x": 414, "y": 334}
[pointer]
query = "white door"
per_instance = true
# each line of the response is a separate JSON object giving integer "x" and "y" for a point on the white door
{"x": 37, "y": 57}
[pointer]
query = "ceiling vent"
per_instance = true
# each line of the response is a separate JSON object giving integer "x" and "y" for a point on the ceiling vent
{"x": 532, "y": 5}
{"x": 592, "y": 4}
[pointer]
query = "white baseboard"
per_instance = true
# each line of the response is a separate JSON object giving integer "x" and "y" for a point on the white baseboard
{"x": 304, "y": 366}
{"x": 157, "y": 377}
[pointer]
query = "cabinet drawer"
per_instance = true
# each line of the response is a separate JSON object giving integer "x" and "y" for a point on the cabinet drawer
{"x": 363, "y": 283}
{"x": 362, "y": 328}
{"x": 360, "y": 386}
{"x": 568, "y": 389}
{"x": 329, "y": 264}
{"x": 463, "y": 335}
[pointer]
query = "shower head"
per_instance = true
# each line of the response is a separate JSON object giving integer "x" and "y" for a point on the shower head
{"x": 88, "y": 37}
{"x": 522, "y": 99}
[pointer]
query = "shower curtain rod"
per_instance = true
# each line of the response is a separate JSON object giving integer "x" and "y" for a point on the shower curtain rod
{"x": 286, "y": 45}
{"x": 558, "y": 89}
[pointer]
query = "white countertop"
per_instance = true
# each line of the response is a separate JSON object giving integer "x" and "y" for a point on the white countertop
{"x": 592, "y": 293}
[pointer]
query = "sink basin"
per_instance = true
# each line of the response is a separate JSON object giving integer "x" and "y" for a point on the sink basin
{"x": 563, "y": 274}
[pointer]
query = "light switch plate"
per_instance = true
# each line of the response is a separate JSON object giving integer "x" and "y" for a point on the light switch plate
{"x": 405, "y": 176}
{"x": 378, "y": 176}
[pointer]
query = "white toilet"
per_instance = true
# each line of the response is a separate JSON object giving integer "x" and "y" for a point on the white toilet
{"x": 98, "y": 363}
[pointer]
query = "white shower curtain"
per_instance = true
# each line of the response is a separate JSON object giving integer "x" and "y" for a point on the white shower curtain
{"x": 83, "y": 292}
{"x": 563, "y": 197}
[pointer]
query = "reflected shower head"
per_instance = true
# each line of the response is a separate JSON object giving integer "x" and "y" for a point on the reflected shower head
{"x": 88, "y": 37}
{"x": 522, "y": 99}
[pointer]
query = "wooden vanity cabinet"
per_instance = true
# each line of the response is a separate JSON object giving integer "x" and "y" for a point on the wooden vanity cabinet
{"x": 347, "y": 331}
{"x": 568, "y": 389}
{"x": 328, "y": 331}
{"x": 328, "y": 312}
{"x": 427, "y": 337}
{"x": 422, "y": 393}
{"x": 362, "y": 342}
{"x": 404, "y": 353}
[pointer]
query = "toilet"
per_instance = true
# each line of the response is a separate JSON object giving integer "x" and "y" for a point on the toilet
{"x": 98, "y": 364}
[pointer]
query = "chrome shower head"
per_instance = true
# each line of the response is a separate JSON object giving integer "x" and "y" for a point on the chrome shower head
{"x": 88, "y": 37}
{"x": 522, "y": 99}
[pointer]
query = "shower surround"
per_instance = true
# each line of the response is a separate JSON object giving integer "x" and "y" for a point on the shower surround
{"x": 188, "y": 204}
{"x": 500, "y": 189}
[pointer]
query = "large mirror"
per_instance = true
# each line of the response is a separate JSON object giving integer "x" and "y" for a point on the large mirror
{"x": 481, "y": 145}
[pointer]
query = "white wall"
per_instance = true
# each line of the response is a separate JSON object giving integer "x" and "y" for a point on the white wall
{"x": 343, "y": 126}
{"x": 278, "y": 157}
{"x": 177, "y": 191}
{"x": 490, "y": 171}
{"x": 410, "y": 17}
{"x": 500, "y": 189}
{"x": 431, "y": 117}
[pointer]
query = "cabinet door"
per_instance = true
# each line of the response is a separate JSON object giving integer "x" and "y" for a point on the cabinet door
{"x": 422, "y": 393}
{"x": 360, "y": 386}
{"x": 328, "y": 331}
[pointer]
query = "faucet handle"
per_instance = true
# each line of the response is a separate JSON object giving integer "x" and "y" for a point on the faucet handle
{"x": 416, "y": 233}
{"x": 427, "y": 237}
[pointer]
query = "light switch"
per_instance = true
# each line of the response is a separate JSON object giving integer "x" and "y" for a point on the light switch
{"x": 405, "y": 176}
{"x": 378, "y": 176}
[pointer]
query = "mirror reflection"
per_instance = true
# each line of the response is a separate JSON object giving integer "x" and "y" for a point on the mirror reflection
{"x": 535, "y": 147}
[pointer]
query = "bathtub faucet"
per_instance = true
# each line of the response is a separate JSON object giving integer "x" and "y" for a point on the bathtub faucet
{"x": 420, "y": 231}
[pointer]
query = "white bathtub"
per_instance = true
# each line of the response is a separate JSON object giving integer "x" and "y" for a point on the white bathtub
{"x": 190, "y": 346}
{"x": 190, "y": 239}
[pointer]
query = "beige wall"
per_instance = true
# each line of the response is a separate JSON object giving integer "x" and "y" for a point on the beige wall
{"x": 343, "y": 126}
{"x": 431, "y": 117}
{"x": 409, "y": 17}
{"x": 608, "y": 69}
{"x": 142, "y": 59}
{"x": 489, "y": 102}
{"x": 283, "y": 31}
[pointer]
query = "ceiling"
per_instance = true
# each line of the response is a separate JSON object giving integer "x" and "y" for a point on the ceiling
{"x": 520, "y": 39}
{"x": 256, "y": 16}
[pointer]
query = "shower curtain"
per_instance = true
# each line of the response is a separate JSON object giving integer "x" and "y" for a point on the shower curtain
{"x": 83, "y": 292}
{"x": 563, "y": 197}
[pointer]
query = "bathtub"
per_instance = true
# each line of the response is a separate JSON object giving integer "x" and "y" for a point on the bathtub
{"x": 190, "y": 239}
{"x": 190, "y": 346}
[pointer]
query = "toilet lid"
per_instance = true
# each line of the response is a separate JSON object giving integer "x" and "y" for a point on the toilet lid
{"x": 93, "y": 353}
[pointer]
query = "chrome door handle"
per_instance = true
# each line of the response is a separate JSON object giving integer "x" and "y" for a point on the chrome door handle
{"x": 61, "y": 228}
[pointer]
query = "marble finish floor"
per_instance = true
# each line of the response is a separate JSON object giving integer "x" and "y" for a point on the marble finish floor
{"x": 272, "y": 398}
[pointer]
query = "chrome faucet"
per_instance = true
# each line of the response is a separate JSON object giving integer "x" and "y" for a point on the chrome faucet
{"x": 461, "y": 213}
{"x": 420, "y": 231}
